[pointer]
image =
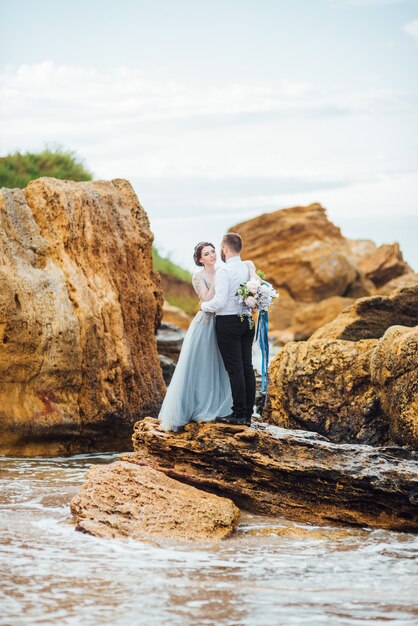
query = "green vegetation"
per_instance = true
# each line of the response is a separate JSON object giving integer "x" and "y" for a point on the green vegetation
{"x": 176, "y": 283}
{"x": 261, "y": 274}
{"x": 186, "y": 303}
{"x": 166, "y": 266}
{"x": 16, "y": 170}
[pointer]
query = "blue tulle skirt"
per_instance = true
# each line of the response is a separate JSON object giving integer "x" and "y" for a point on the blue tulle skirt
{"x": 199, "y": 390}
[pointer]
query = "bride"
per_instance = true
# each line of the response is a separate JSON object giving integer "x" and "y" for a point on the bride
{"x": 200, "y": 389}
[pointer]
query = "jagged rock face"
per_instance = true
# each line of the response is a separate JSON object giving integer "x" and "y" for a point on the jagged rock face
{"x": 79, "y": 305}
{"x": 325, "y": 386}
{"x": 126, "y": 500}
{"x": 384, "y": 264}
{"x": 301, "y": 250}
{"x": 309, "y": 261}
{"x": 369, "y": 318}
{"x": 394, "y": 370}
{"x": 296, "y": 474}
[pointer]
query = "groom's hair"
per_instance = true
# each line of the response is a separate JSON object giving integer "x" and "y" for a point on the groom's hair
{"x": 233, "y": 241}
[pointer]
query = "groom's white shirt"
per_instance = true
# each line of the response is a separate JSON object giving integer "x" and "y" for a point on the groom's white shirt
{"x": 228, "y": 278}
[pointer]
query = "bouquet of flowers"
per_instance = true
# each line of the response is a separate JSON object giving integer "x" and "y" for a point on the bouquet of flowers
{"x": 255, "y": 295}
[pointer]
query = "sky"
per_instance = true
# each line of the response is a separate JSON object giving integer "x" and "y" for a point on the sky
{"x": 219, "y": 110}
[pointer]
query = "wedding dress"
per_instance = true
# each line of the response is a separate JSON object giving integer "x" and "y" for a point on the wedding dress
{"x": 200, "y": 389}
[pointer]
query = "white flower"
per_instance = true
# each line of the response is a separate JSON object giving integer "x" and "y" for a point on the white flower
{"x": 269, "y": 290}
{"x": 251, "y": 302}
{"x": 253, "y": 286}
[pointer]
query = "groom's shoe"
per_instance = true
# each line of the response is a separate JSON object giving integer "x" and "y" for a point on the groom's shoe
{"x": 227, "y": 419}
{"x": 234, "y": 420}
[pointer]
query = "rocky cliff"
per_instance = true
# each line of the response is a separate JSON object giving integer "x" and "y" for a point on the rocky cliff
{"x": 79, "y": 305}
{"x": 317, "y": 270}
{"x": 356, "y": 379}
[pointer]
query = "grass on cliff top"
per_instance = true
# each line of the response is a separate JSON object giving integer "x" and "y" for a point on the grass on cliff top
{"x": 168, "y": 267}
{"x": 17, "y": 170}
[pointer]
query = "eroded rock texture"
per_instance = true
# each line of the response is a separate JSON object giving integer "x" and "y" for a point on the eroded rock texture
{"x": 79, "y": 305}
{"x": 369, "y": 318}
{"x": 127, "y": 500}
{"x": 325, "y": 386}
{"x": 297, "y": 474}
{"x": 394, "y": 371}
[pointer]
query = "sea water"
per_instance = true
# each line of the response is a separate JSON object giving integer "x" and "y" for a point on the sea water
{"x": 271, "y": 572}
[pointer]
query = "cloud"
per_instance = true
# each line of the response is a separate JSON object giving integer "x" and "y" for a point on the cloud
{"x": 411, "y": 28}
{"x": 124, "y": 122}
{"x": 219, "y": 152}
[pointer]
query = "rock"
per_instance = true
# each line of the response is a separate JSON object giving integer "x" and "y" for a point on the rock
{"x": 384, "y": 264}
{"x": 174, "y": 316}
{"x": 312, "y": 316}
{"x": 282, "y": 337}
{"x": 406, "y": 280}
{"x": 369, "y": 318}
{"x": 309, "y": 261}
{"x": 169, "y": 341}
{"x": 167, "y": 367}
{"x": 179, "y": 292}
{"x": 295, "y": 474}
{"x": 282, "y": 311}
{"x": 359, "y": 248}
{"x": 394, "y": 371}
{"x": 126, "y": 500}
{"x": 79, "y": 305}
{"x": 360, "y": 287}
{"x": 325, "y": 386}
{"x": 299, "y": 250}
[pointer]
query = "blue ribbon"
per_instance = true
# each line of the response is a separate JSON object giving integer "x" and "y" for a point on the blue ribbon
{"x": 262, "y": 337}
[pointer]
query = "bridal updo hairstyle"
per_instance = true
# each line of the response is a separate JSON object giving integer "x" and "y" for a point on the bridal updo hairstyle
{"x": 233, "y": 241}
{"x": 198, "y": 252}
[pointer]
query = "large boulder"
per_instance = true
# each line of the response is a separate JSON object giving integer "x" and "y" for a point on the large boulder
{"x": 310, "y": 262}
{"x": 300, "y": 250}
{"x": 295, "y": 474}
{"x": 394, "y": 371}
{"x": 369, "y": 318}
{"x": 79, "y": 306}
{"x": 325, "y": 386}
{"x": 127, "y": 500}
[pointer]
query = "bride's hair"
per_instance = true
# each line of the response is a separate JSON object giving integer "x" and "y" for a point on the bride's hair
{"x": 198, "y": 251}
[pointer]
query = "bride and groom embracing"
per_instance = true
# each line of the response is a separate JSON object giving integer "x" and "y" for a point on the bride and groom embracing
{"x": 214, "y": 377}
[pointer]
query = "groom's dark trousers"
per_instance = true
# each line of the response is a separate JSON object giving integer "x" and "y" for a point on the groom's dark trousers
{"x": 235, "y": 340}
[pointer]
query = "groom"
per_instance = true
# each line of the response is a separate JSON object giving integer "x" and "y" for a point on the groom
{"x": 235, "y": 337}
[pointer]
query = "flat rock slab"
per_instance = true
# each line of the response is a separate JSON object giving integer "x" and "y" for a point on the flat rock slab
{"x": 292, "y": 473}
{"x": 123, "y": 499}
